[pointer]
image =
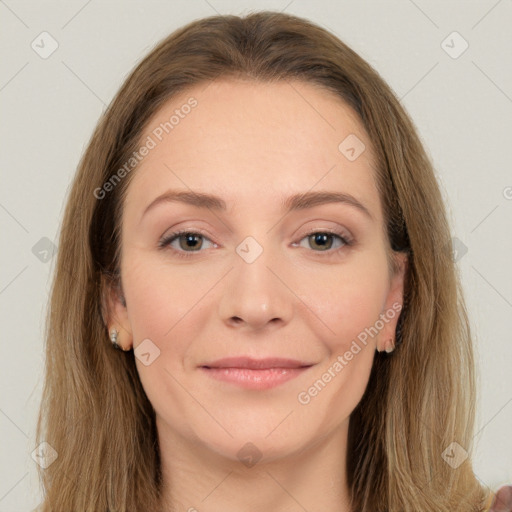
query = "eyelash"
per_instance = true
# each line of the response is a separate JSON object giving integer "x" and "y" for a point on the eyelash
{"x": 168, "y": 239}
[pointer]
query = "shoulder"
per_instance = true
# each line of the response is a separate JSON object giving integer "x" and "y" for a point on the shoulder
{"x": 502, "y": 501}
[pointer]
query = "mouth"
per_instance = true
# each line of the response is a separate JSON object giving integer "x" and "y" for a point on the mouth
{"x": 255, "y": 373}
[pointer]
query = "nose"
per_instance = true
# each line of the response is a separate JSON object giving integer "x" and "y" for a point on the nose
{"x": 256, "y": 294}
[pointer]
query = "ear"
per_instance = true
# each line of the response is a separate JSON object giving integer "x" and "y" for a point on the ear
{"x": 114, "y": 311}
{"x": 394, "y": 302}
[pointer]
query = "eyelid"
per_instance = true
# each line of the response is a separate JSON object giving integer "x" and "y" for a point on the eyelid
{"x": 173, "y": 235}
{"x": 341, "y": 232}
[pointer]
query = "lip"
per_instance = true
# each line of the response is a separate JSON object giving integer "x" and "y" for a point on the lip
{"x": 256, "y": 364}
{"x": 255, "y": 373}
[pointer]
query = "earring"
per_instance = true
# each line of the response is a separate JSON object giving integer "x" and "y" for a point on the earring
{"x": 113, "y": 337}
{"x": 388, "y": 347}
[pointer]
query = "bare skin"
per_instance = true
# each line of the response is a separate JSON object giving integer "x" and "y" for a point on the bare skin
{"x": 502, "y": 502}
{"x": 254, "y": 145}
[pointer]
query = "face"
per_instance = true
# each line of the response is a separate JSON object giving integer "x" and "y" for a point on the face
{"x": 298, "y": 290}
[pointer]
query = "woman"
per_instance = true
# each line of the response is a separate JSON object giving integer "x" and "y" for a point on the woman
{"x": 257, "y": 229}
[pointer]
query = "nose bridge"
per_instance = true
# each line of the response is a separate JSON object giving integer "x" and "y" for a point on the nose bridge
{"x": 256, "y": 296}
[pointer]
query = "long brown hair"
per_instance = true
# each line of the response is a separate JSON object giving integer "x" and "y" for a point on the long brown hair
{"x": 94, "y": 411}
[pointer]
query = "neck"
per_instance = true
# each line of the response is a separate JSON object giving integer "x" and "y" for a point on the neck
{"x": 196, "y": 479}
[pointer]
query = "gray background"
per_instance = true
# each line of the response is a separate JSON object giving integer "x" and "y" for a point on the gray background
{"x": 461, "y": 104}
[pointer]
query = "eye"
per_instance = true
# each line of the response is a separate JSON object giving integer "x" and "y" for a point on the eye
{"x": 186, "y": 240}
{"x": 324, "y": 240}
{"x": 190, "y": 242}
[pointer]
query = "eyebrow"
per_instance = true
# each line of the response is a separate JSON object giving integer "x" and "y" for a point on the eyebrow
{"x": 300, "y": 201}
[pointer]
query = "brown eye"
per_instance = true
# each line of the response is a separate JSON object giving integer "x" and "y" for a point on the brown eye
{"x": 189, "y": 241}
{"x": 322, "y": 241}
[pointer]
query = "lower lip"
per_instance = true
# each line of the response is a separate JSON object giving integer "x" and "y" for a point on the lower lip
{"x": 255, "y": 379}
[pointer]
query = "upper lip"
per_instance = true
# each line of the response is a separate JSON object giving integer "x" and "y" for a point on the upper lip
{"x": 256, "y": 364}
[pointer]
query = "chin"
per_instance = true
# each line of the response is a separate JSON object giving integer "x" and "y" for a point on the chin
{"x": 251, "y": 446}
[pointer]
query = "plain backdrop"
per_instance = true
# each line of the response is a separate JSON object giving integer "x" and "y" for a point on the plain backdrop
{"x": 448, "y": 62}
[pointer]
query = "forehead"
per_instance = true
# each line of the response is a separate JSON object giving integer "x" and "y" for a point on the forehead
{"x": 249, "y": 141}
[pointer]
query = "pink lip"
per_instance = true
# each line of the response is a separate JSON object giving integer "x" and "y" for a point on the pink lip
{"x": 255, "y": 373}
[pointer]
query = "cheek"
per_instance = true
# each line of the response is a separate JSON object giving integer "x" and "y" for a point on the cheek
{"x": 346, "y": 299}
{"x": 160, "y": 300}
{"x": 349, "y": 301}
{"x": 163, "y": 307}
{"x": 350, "y": 305}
